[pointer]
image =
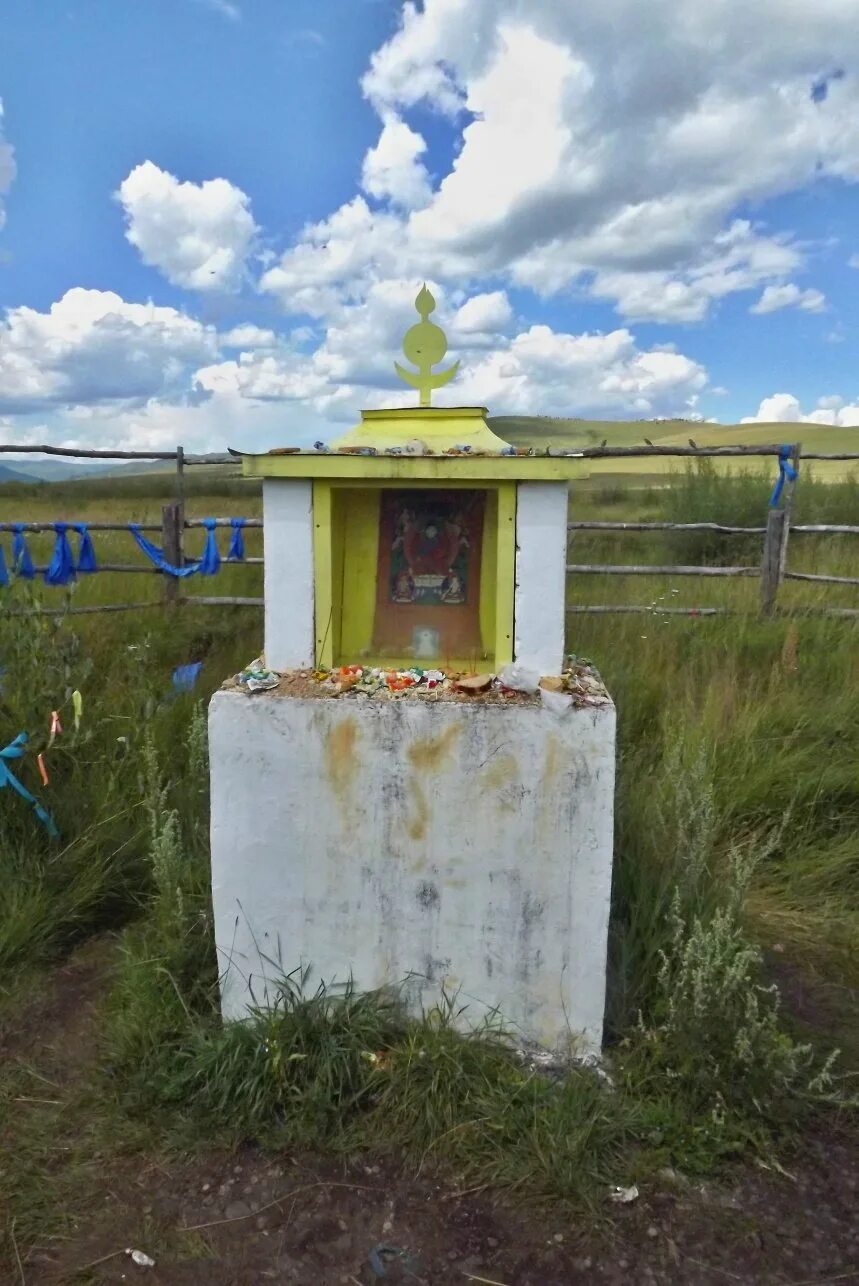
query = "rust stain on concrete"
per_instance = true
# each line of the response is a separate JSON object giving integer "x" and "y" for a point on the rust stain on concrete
{"x": 417, "y": 826}
{"x": 500, "y": 771}
{"x": 427, "y": 755}
{"x": 340, "y": 755}
{"x": 429, "y": 752}
{"x": 549, "y": 784}
{"x": 552, "y": 763}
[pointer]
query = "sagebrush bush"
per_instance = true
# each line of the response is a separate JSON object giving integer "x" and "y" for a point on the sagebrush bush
{"x": 715, "y": 1030}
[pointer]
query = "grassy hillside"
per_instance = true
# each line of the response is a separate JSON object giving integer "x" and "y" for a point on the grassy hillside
{"x": 542, "y": 430}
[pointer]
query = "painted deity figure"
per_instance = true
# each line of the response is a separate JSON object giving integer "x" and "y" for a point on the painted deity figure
{"x": 429, "y": 555}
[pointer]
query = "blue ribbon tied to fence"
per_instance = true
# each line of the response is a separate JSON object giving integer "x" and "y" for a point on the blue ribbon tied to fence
{"x": 16, "y": 750}
{"x": 787, "y": 472}
{"x": 185, "y": 676}
{"x": 236, "y": 551}
{"x": 22, "y": 562}
{"x": 61, "y": 569}
{"x": 207, "y": 565}
{"x": 86, "y": 552}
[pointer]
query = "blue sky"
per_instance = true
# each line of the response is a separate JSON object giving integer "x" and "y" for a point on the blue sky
{"x": 216, "y": 213}
{"x": 93, "y": 87}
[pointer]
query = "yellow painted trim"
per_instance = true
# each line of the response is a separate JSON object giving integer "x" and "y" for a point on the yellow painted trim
{"x": 438, "y": 427}
{"x": 360, "y": 527}
{"x": 488, "y": 577}
{"x": 345, "y": 534}
{"x": 448, "y": 471}
{"x": 339, "y": 538}
{"x": 426, "y": 414}
{"x": 392, "y": 484}
{"x": 505, "y": 575}
{"x": 323, "y": 574}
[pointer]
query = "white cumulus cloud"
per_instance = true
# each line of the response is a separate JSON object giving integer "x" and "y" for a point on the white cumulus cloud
{"x": 789, "y": 295}
{"x": 199, "y": 235}
{"x": 481, "y": 315}
{"x": 784, "y": 408}
{"x": 588, "y": 374}
{"x": 617, "y": 166}
{"x": 338, "y": 259}
{"x": 393, "y": 167}
{"x": 248, "y": 336}
{"x": 93, "y": 347}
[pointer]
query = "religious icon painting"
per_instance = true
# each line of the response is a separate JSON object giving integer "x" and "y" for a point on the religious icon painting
{"x": 429, "y": 569}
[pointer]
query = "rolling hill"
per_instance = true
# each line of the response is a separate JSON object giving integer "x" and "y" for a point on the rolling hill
{"x": 524, "y": 430}
{"x": 10, "y": 474}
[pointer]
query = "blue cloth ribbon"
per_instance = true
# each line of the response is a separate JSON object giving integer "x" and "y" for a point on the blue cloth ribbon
{"x": 4, "y": 571}
{"x": 16, "y": 750}
{"x": 22, "y": 562}
{"x": 207, "y": 565}
{"x": 61, "y": 568}
{"x": 156, "y": 555}
{"x": 185, "y": 676}
{"x": 236, "y": 551}
{"x": 211, "y": 560}
{"x": 786, "y": 473}
{"x": 86, "y": 553}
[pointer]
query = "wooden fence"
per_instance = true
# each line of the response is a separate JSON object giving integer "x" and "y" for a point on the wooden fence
{"x": 772, "y": 571}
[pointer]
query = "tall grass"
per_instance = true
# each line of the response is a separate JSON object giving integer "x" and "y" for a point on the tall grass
{"x": 737, "y": 811}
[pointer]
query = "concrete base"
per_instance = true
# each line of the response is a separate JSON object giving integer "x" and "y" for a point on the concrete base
{"x": 464, "y": 846}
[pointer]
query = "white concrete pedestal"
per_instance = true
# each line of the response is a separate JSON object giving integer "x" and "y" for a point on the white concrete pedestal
{"x": 430, "y": 843}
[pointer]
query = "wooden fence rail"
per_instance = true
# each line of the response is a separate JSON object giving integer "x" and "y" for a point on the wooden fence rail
{"x": 93, "y": 526}
{"x": 221, "y": 522}
{"x": 666, "y": 526}
{"x": 772, "y": 571}
{"x": 654, "y": 569}
{"x": 830, "y": 580}
{"x": 178, "y": 456}
{"x": 817, "y": 529}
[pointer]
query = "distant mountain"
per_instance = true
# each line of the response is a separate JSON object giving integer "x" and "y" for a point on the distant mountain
{"x": 36, "y": 470}
{"x": 8, "y": 474}
{"x": 55, "y": 470}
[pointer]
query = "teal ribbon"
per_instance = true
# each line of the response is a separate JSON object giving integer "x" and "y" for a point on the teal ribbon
{"x": 16, "y": 750}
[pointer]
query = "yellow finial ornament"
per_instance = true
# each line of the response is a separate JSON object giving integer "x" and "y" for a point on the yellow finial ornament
{"x": 425, "y": 344}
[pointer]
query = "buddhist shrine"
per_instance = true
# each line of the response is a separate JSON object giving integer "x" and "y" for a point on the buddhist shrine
{"x": 411, "y": 789}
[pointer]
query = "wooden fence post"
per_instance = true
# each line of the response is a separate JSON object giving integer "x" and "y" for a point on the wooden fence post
{"x": 180, "y": 474}
{"x": 770, "y": 564}
{"x": 774, "y": 562}
{"x": 172, "y": 543}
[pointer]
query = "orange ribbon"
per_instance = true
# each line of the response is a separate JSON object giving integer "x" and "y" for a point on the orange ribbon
{"x": 56, "y": 727}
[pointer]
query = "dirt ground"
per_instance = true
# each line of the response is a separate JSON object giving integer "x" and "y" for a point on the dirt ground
{"x": 246, "y": 1218}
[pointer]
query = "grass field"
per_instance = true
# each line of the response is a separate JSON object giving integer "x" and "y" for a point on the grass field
{"x": 542, "y": 431}
{"x": 737, "y": 863}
